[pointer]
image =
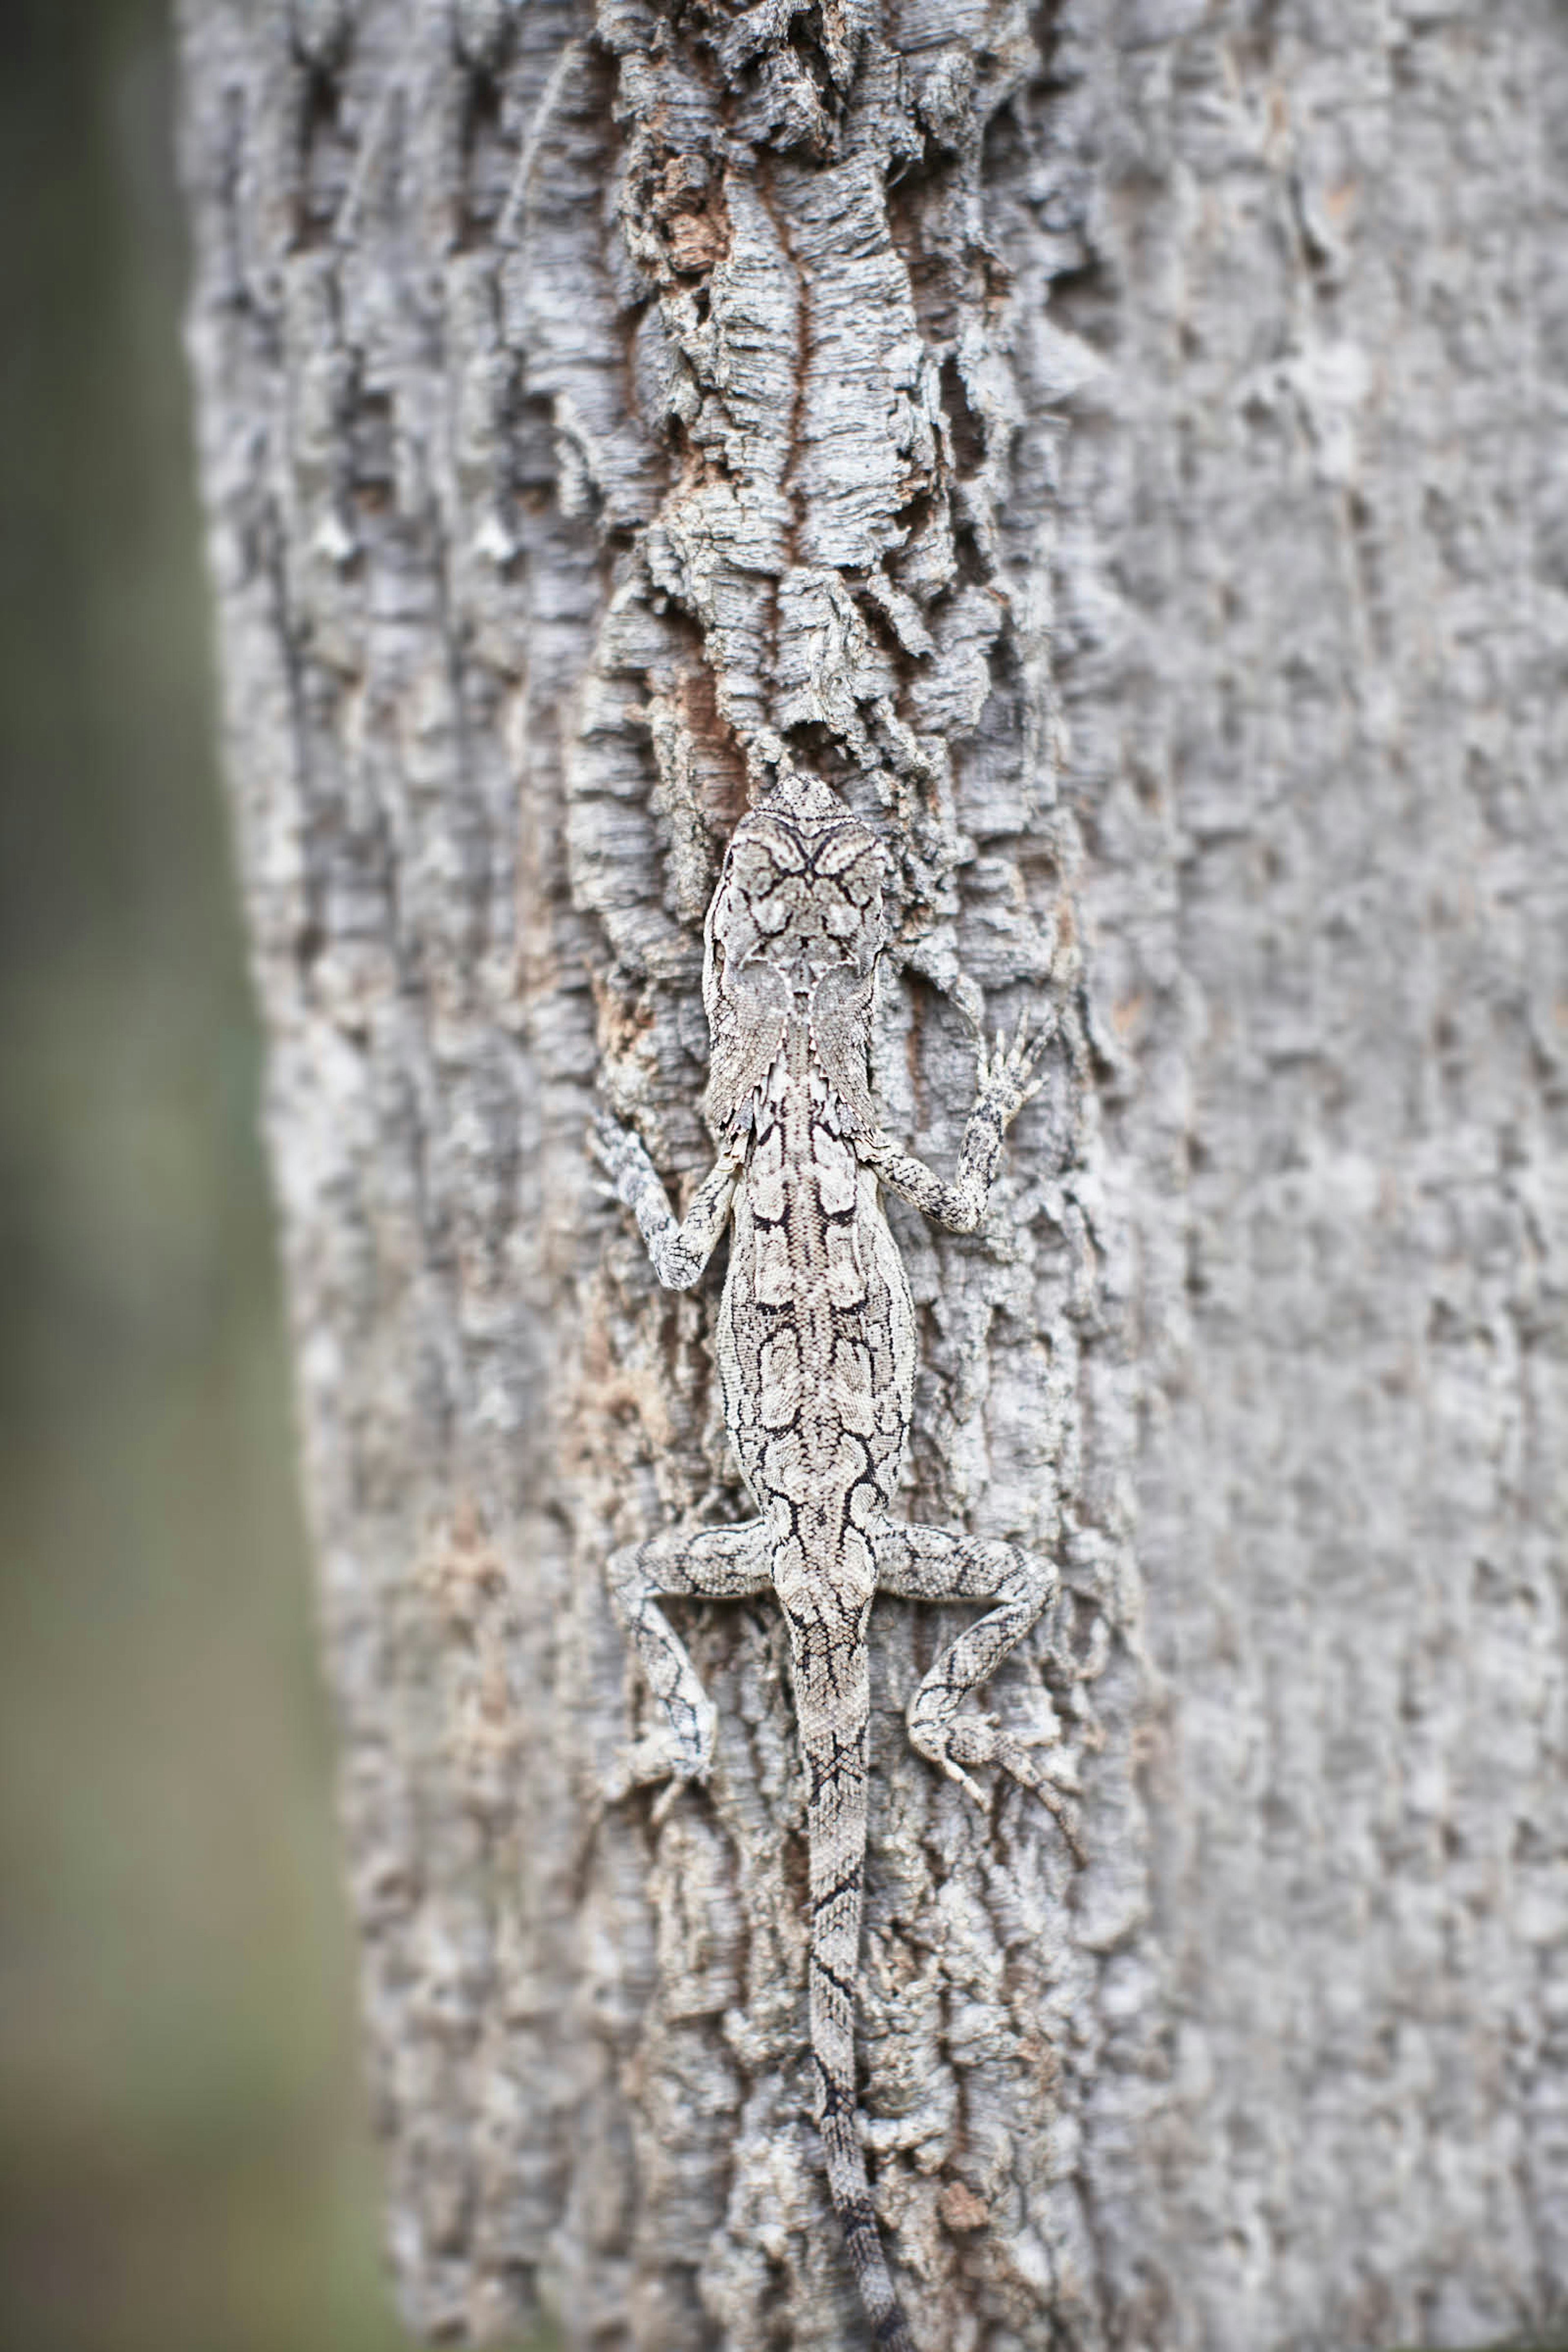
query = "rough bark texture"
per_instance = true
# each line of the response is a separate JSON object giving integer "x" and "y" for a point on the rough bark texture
{"x": 1114, "y": 449}
{"x": 1320, "y": 718}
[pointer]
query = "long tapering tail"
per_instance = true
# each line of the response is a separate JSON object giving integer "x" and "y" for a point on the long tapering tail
{"x": 836, "y": 1763}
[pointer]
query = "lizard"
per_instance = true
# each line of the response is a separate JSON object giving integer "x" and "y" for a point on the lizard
{"x": 816, "y": 1349}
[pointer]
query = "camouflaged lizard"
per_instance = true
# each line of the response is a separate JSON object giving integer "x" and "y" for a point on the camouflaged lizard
{"x": 816, "y": 1348}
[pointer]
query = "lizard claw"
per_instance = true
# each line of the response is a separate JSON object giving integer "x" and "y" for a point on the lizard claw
{"x": 972, "y": 1788}
{"x": 1014, "y": 1758}
{"x": 979, "y": 1739}
{"x": 1007, "y": 1072}
{"x": 649, "y": 1761}
{"x": 952, "y": 1745}
{"x": 664, "y": 1800}
{"x": 624, "y": 1779}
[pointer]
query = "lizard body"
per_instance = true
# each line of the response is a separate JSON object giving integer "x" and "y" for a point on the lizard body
{"x": 817, "y": 1351}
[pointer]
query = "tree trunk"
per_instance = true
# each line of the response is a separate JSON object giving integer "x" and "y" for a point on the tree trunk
{"x": 1114, "y": 450}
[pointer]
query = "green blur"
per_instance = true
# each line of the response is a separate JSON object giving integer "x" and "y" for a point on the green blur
{"x": 184, "y": 2155}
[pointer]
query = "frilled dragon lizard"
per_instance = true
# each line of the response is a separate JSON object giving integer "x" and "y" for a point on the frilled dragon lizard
{"x": 816, "y": 1346}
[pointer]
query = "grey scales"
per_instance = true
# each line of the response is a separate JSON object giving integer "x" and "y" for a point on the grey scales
{"x": 816, "y": 1346}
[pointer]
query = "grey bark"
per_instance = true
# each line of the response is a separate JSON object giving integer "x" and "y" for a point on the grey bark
{"x": 1122, "y": 450}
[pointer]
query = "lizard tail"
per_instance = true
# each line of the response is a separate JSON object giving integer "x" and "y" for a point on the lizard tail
{"x": 836, "y": 1764}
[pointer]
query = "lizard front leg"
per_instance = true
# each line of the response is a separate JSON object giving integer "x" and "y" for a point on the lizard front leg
{"x": 1003, "y": 1084}
{"x": 678, "y": 1251}
{"x": 716, "y": 1564}
{"x": 919, "y": 1563}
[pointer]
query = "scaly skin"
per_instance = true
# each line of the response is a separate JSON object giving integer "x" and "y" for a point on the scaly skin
{"x": 816, "y": 1363}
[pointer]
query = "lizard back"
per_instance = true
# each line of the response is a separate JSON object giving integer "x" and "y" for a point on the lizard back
{"x": 816, "y": 1348}
{"x": 816, "y": 1334}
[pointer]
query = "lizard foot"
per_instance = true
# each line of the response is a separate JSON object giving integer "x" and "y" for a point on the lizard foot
{"x": 966, "y": 1739}
{"x": 658, "y": 1756}
{"x": 1004, "y": 1073}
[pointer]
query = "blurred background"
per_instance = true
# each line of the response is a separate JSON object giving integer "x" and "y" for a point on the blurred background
{"x": 184, "y": 2156}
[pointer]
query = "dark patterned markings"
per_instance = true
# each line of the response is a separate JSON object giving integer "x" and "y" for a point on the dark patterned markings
{"x": 815, "y": 1346}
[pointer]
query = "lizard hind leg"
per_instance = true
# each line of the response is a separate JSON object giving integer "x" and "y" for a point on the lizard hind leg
{"x": 923, "y": 1563}
{"x": 710, "y": 1564}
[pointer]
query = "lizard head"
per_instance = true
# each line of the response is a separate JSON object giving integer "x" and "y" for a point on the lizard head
{"x": 795, "y": 931}
{"x": 797, "y": 901}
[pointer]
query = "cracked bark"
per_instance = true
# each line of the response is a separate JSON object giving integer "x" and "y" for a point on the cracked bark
{"x": 1114, "y": 447}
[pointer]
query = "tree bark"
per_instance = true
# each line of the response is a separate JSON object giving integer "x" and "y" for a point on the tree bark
{"x": 1116, "y": 449}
